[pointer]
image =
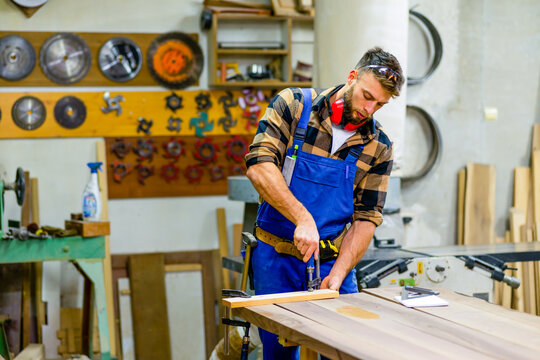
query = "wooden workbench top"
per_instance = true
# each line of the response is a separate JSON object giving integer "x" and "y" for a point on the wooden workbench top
{"x": 371, "y": 325}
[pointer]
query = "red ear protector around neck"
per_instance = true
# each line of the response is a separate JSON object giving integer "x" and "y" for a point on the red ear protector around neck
{"x": 336, "y": 115}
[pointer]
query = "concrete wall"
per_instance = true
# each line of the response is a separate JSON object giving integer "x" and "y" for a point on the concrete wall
{"x": 491, "y": 59}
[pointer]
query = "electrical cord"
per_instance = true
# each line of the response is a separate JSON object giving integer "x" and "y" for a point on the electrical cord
{"x": 436, "y": 147}
{"x": 437, "y": 45}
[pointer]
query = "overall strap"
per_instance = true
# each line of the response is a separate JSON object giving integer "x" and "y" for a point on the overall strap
{"x": 354, "y": 153}
{"x": 301, "y": 128}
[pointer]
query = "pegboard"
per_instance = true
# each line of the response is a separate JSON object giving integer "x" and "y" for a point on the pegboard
{"x": 225, "y": 112}
{"x": 140, "y": 167}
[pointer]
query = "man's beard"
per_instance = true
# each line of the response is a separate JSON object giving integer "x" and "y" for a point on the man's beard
{"x": 348, "y": 112}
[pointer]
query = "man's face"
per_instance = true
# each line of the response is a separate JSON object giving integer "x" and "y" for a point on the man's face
{"x": 363, "y": 98}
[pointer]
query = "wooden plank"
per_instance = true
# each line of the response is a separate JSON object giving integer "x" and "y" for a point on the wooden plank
{"x": 94, "y": 77}
{"x": 149, "y": 105}
{"x": 223, "y": 244}
{"x": 107, "y": 269}
{"x": 237, "y": 247}
{"x": 210, "y": 283}
{"x": 506, "y": 296}
{"x": 182, "y": 267}
{"x": 522, "y": 186}
{"x": 535, "y": 172}
{"x": 399, "y": 325}
{"x": 517, "y": 220}
{"x": 328, "y": 342}
{"x": 32, "y": 352}
{"x": 149, "y": 306}
{"x": 462, "y": 176}
{"x": 89, "y": 228}
{"x": 479, "y": 224}
{"x": 280, "y": 298}
{"x": 521, "y": 329}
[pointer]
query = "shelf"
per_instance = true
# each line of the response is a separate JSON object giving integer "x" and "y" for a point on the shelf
{"x": 252, "y": 52}
{"x": 263, "y": 84}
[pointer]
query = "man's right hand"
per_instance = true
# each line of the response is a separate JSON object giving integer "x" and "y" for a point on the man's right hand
{"x": 306, "y": 238}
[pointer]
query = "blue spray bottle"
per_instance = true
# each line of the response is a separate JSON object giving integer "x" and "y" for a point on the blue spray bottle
{"x": 91, "y": 199}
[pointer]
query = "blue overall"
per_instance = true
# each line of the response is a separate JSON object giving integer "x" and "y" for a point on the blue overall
{"x": 325, "y": 187}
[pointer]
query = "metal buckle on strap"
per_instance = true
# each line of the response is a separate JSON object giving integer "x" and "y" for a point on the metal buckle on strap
{"x": 300, "y": 133}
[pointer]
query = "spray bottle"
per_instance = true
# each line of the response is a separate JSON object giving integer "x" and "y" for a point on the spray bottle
{"x": 91, "y": 199}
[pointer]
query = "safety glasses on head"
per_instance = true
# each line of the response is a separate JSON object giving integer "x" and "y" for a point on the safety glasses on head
{"x": 385, "y": 72}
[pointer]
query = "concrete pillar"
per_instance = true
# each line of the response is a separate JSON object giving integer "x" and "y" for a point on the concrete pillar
{"x": 344, "y": 30}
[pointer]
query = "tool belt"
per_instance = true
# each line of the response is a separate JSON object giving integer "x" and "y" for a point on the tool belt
{"x": 328, "y": 249}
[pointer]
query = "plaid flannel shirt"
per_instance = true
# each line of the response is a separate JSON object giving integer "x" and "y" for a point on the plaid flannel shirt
{"x": 275, "y": 134}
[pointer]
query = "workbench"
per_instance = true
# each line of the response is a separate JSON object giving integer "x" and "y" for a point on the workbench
{"x": 87, "y": 255}
{"x": 372, "y": 325}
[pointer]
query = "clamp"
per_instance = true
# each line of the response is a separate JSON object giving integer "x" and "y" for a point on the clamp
{"x": 313, "y": 266}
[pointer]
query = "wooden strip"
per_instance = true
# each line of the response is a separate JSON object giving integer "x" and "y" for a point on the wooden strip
{"x": 183, "y": 267}
{"x": 517, "y": 220}
{"x": 32, "y": 352}
{"x": 149, "y": 105}
{"x": 462, "y": 176}
{"x": 280, "y": 298}
{"x": 479, "y": 225}
{"x": 535, "y": 172}
{"x": 38, "y": 266}
{"x": 519, "y": 328}
{"x": 101, "y": 156}
{"x": 237, "y": 246}
{"x": 223, "y": 244}
{"x": 210, "y": 298}
{"x": 89, "y": 228}
{"x": 26, "y": 316}
{"x": 521, "y": 188}
{"x": 149, "y": 306}
{"x": 506, "y": 296}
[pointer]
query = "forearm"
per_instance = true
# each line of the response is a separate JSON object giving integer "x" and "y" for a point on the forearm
{"x": 353, "y": 247}
{"x": 270, "y": 184}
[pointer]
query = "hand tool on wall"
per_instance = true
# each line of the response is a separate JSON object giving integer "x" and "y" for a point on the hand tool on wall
{"x": 19, "y": 187}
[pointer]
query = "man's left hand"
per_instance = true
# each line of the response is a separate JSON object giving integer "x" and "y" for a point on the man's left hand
{"x": 332, "y": 282}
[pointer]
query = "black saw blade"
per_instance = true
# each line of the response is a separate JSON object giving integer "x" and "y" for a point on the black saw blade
{"x": 17, "y": 57}
{"x": 28, "y": 113}
{"x": 65, "y": 58}
{"x": 175, "y": 60}
{"x": 70, "y": 112}
{"x": 120, "y": 59}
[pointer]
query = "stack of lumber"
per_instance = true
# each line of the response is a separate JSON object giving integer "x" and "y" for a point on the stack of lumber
{"x": 476, "y": 222}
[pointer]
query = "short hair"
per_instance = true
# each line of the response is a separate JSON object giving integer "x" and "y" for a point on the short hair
{"x": 376, "y": 59}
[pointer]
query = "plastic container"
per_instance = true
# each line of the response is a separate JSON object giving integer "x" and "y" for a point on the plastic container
{"x": 91, "y": 198}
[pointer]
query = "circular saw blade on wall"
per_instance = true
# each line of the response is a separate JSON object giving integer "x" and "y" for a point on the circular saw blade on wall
{"x": 175, "y": 60}
{"x": 17, "y": 57}
{"x": 65, "y": 58}
{"x": 28, "y": 113}
{"x": 120, "y": 59}
{"x": 70, "y": 112}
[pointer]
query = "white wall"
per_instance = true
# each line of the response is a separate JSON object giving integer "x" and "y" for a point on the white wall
{"x": 491, "y": 59}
